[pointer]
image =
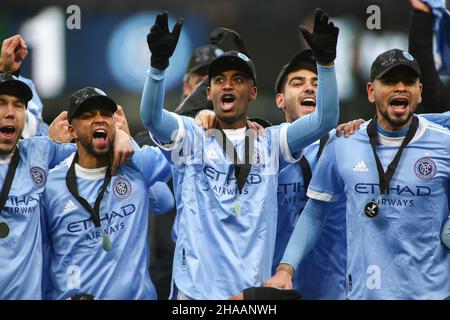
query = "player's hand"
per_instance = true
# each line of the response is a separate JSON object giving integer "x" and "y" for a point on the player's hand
{"x": 59, "y": 129}
{"x": 323, "y": 40}
{"x": 282, "y": 278}
{"x": 162, "y": 42}
{"x": 123, "y": 150}
{"x": 206, "y": 119}
{"x": 13, "y": 52}
{"x": 121, "y": 120}
{"x": 348, "y": 128}
{"x": 419, "y": 5}
{"x": 256, "y": 127}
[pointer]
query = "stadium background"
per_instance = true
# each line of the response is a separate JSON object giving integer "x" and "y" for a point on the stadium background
{"x": 110, "y": 50}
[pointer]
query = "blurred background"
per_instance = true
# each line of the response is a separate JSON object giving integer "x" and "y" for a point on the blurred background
{"x": 110, "y": 50}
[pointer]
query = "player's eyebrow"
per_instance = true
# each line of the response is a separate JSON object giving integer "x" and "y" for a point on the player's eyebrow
{"x": 303, "y": 78}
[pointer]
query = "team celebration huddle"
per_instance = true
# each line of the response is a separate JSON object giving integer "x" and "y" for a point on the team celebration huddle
{"x": 307, "y": 209}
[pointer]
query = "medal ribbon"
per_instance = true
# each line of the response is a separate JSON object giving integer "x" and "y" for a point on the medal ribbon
{"x": 9, "y": 178}
{"x": 71, "y": 183}
{"x": 385, "y": 178}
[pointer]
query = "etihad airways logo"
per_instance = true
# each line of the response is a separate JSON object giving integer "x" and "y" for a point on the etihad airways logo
{"x": 86, "y": 224}
{"x": 399, "y": 190}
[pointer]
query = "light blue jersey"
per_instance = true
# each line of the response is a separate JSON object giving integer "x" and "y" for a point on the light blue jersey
{"x": 225, "y": 241}
{"x": 321, "y": 275}
{"x": 223, "y": 247}
{"x": 21, "y": 250}
{"x": 34, "y": 124}
{"x": 397, "y": 254}
{"x": 78, "y": 264}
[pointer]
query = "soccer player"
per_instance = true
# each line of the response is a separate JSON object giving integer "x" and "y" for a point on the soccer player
{"x": 394, "y": 173}
{"x": 228, "y": 208}
{"x": 325, "y": 266}
{"x": 96, "y": 224}
{"x": 13, "y": 52}
{"x": 24, "y": 167}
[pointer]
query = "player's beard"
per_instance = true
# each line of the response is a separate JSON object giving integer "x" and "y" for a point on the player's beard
{"x": 230, "y": 119}
{"x": 396, "y": 123}
{"x": 102, "y": 155}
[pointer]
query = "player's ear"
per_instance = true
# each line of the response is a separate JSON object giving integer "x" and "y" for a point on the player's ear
{"x": 279, "y": 100}
{"x": 208, "y": 93}
{"x": 253, "y": 93}
{"x": 370, "y": 92}
{"x": 420, "y": 94}
{"x": 72, "y": 132}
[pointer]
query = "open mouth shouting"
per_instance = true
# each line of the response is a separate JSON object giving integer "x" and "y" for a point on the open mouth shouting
{"x": 228, "y": 101}
{"x": 399, "y": 105}
{"x": 100, "y": 138}
{"x": 8, "y": 132}
{"x": 308, "y": 102}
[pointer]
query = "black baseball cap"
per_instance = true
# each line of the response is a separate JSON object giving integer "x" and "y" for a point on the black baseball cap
{"x": 88, "y": 96}
{"x": 11, "y": 85}
{"x": 391, "y": 59}
{"x": 202, "y": 56}
{"x": 302, "y": 60}
{"x": 232, "y": 60}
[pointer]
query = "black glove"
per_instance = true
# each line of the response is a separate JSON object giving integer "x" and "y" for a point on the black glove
{"x": 323, "y": 40}
{"x": 162, "y": 42}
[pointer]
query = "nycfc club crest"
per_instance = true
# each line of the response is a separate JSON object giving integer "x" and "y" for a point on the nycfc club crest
{"x": 38, "y": 176}
{"x": 121, "y": 188}
{"x": 425, "y": 168}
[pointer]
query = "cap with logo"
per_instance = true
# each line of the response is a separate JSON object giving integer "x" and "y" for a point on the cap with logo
{"x": 391, "y": 59}
{"x": 232, "y": 60}
{"x": 88, "y": 96}
{"x": 302, "y": 60}
{"x": 11, "y": 85}
{"x": 202, "y": 56}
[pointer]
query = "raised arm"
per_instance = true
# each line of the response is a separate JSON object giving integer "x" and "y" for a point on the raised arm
{"x": 161, "y": 43}
{"x": 323, "y": 42}
{"x": 435, "y": 97}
